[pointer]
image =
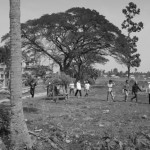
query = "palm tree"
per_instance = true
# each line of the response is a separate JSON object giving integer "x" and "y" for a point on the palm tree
{"x": 19, "y": 133}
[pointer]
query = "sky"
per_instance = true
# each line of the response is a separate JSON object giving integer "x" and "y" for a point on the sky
{"x": 111, "y": 9}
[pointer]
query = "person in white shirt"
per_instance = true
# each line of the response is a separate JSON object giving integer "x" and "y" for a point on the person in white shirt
{"x": 78, "y": 87}
{"x": 87, "y": 88}
{"x": 110, "y": 89}
{"x": 71, "y": 87}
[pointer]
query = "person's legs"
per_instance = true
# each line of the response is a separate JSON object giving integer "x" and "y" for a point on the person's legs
{"x": 112, "y": 96}
{"x": 134, "y": 96}
{"x": 126, "y": 95}
{"x": 76, "y": 92}
{"x": 71, "y": 90}
{"x": 33, "y": 92}
{"x": 108, "y": 94}
{"x": 80, "y": 93}
{"x": 86, "y": 92}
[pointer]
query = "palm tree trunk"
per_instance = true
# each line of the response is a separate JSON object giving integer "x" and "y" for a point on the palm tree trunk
{"x": 19, "y": 133}
{"x": 129, "y": 68}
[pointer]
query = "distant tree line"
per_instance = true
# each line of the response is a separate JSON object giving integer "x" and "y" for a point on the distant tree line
{"x": 124, "y": 73}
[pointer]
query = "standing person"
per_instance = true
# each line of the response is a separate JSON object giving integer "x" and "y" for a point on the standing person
{"x": 78, "y": 87}
{"x": 49, "y": 89}
{"x": 71, "y": 87}
{"x": 87, "y": 88}
{"x": 32, "y": 87}
{"x": 126, "y": 90}
{"x": 135, "y": 89}
{"x": 110, "y": 89}
{"x": 149, "y": 91}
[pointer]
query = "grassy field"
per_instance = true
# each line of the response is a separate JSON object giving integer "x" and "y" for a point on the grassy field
{"x": 91, "y": 123}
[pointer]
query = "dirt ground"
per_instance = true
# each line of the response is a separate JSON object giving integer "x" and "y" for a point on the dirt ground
{"x": 91, "y": 122}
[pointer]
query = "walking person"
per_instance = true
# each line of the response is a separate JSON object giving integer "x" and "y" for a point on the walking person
{"x": 71, "y": 87}
{"x": 78, "y": 87}
{"x": 110, "y": 90}
{"x": 87, "y": 88}
{"x": 32, "y": 87}
{"x": 135, "y": 89}
{"x": 126, "y": 90}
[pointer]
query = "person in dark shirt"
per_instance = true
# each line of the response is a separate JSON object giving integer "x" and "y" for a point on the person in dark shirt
{"x": 32, "y": 87}
{"x": 135, "y": 89}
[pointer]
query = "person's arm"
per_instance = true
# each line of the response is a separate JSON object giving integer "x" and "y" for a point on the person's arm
{"x": 139, "y": 89}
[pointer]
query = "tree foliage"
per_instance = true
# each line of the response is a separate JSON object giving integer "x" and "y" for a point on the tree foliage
{"x": 130, "y": 56}
{"x": 68, "y": 35}
{"x": 58, "y": 79}
{"x": 5, "y": 56}
{"x": 82, "y": 66}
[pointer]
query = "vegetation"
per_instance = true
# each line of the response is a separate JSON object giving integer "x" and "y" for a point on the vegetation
{"x": 70, "y": 38}
{"x": 90, "y": 122}
{"x": 69, "y": 35}
{"x": 75, "y": 40}
{"x": 131, "y": 57}
{"x": 58, "y": 79}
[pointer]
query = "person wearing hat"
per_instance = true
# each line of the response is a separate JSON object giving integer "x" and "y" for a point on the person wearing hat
{"x": 149, "y": 91}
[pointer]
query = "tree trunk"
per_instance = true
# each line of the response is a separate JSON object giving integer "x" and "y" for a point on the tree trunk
{"x": 128, "y": 71}
{"x": 20, "y": 138}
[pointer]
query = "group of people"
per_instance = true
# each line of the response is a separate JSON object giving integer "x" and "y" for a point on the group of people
{"x": 78, "y": 88}
{"x": 126, "y": 88}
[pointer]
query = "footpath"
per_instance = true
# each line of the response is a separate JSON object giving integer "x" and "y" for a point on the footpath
{"x": 42, "y": 94}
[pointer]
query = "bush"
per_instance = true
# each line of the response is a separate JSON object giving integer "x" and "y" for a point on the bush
{"x": 57, "y": 79}
{"x": 5, "y": 123}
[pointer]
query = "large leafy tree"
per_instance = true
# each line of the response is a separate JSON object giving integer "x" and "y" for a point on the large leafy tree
{"x": 20, "y": 138}
{"x": 131, "y": 58}
{"x": 82, "y": 66}
{"x": 67, "y": 36}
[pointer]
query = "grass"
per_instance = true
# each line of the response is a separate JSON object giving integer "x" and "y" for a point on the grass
{"x": 92, "y": 122}
{"x": 38, "y": 89}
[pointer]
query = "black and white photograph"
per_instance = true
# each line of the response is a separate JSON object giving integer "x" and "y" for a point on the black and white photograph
{"x": 74, "y": 75}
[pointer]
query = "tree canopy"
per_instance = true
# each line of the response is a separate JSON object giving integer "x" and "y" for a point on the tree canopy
{"x": 71, "y": 37}
{"x": 68, "y": 35}
{"x": 131, "y": 58}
